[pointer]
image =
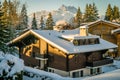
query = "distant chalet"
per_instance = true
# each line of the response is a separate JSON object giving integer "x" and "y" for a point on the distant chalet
{"x": 73, "y": 53}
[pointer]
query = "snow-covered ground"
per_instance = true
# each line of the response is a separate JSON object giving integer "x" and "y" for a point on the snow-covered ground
{"x": 13, "y": 65}
{"x": 10, "y": 65}
{"x": 111, "y": 72}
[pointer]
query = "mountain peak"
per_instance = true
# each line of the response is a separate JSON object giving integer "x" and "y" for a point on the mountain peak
{"x": 63, "y": 8}
{"x": 68, "y": 8}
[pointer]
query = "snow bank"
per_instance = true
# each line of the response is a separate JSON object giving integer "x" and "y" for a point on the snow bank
{"x": 42, "y": 74}
{"x": 113, "y": 75}
{"x": 10, "y": 64}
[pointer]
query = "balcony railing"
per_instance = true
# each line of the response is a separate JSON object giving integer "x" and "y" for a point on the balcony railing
{"x": 100, "y": 62}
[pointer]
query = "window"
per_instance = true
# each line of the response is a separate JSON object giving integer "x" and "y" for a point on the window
{"x": 75, "y": 42}
{"x": 97, "y": 41}
{"x": 86, "y": 41}
{"x": 77, "y": 74}
{"x": 98, "y": 70}
{"x": 93, "y": 71}
{"x": 50, "y": 70}
{"x": 81, "y": 73}
{"x": 33, "y": 54}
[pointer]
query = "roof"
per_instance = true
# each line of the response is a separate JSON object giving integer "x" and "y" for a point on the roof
{"x": 53, "y": 37}
{"x": 103, "y": 21}
{"x": 115, "y": 31}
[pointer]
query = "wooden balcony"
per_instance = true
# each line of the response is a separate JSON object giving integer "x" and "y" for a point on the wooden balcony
{"x": 100, "y": 62}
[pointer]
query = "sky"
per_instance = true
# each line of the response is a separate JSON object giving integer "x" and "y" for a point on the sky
{"x": 38, "y": 5}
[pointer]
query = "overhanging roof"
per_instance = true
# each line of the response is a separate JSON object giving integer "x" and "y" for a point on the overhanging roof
{"x": 103, "y": 22}
{"x": 52, "y": 38}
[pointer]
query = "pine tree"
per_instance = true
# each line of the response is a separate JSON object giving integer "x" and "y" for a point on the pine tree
{"x": 95, "y": 12}
{"x": 49, "y": 22}
{"x": 4, "y": 33}
{"x": 42, "y": 25}
{"x": 91, "y": 13}
{"x": 109, "y": 13}
{"x": 86, "y": 14}
{"x": 13, "y": 13}
{"x": 116, "y": 12}
{"x": 5, "y": 29}
{"x": 23, "y": 18}
{"x": 34, "y": 22}
{"x": 78, "y": 17}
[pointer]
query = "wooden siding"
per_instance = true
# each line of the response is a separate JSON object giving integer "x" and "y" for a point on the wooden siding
{"x": 118, "y": 43}
{"x": 56, "y": 58}
{"x": 94, "y": 56}
{"x": 104, "y": 31}
{"x": 78, "y": 61}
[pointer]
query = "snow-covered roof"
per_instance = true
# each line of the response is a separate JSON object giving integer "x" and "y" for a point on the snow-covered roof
{"x": 115, "y": 31}
{"x": 104, "y": 21}
{"x": 85, "y": 26}
{"x": 53, "y": 38}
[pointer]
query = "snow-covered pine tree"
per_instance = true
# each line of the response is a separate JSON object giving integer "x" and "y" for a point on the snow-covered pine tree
{"x": 109, "y": 13}
{"x": 3, "y": 32}
{"x": 34, "y": 22}
{"x": 5, "y": 29}
{"x": 49, "y": 22}
{"x": 23, "y": 18}
{"x": 42, "y": 25}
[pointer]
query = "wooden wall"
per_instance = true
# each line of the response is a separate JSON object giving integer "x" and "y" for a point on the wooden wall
{"x": 56, "y": 58}
{"x": 77, "y": 61}
{"x": 104, "y": 31}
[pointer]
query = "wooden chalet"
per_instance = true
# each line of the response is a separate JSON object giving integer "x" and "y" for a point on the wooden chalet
{"x": 73, "y": 53}
{"x": 104, "y": 29}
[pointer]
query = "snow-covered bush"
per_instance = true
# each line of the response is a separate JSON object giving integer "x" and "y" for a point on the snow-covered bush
{"x": 11, "y": 67}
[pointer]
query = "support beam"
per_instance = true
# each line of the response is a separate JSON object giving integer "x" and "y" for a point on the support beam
{"x": 67, "y": 62}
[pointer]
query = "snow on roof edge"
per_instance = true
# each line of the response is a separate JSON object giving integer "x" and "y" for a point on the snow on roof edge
{"x": 50, "y": 42}
{"x": 103, "y": 21}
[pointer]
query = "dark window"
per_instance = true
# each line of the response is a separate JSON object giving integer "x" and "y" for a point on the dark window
{"x": 98, "y": 70}
{"x": 33, "y": 54}
{"x": 81, "y": 73}
{"x": 75, "y": 74}
{"x": 86, "y": 41}
{"x": 91, "y": 71}
{"x": 75, "y": 42}
{"x": 50, "y": 70}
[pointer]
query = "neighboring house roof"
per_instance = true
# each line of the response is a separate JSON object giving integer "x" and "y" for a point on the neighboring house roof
{"x": 115, "y": 31}
{"x": 53, "y": 37}
{"x": 103, "y": 22}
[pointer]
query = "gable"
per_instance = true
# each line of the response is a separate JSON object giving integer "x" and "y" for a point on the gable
{"x": 24, "y": 39}
{"x": 104, "y": 23}
{"x": 102, "y": 27}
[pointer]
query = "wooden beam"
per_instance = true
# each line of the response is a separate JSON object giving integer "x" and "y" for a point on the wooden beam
{"x": 67, "y": 62}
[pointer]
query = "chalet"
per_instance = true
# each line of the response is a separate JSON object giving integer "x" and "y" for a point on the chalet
{"x": 73, "y": 53}
{"x": 103, "y": 29}
{"x": 116, "y": 33}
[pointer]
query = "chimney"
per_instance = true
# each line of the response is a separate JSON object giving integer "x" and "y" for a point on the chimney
{"x": 83, "y": 30}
